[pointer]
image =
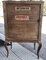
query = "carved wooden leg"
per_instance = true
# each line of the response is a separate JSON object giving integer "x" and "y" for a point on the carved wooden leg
{"x": 5, "y": 45}
{"x": 39, "y": 47}
{"x": 34, "y": 45}
{"x": 11, "y": 44}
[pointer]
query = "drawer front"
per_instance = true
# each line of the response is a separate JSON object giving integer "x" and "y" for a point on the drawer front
{"x": 32, "y": 11}
{"x": 23, "y": 31}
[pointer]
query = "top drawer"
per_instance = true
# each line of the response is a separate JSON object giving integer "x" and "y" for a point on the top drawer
{"x": 20, "y": 11}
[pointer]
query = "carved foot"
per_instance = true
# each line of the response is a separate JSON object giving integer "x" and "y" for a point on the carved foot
{"x": 39, "y": 47}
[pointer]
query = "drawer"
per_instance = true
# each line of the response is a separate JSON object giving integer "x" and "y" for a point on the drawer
{"x": 32, "y": 11}
{"x": 23, "y": 31}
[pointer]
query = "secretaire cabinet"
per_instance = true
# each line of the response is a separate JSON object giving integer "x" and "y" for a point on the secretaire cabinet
{"x": 22, "y": 21}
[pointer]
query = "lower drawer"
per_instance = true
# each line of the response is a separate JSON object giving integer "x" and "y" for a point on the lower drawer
{"x": 23, "y": 31}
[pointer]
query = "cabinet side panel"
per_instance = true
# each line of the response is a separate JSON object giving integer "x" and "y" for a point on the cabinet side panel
{"x": 5, "y": 19}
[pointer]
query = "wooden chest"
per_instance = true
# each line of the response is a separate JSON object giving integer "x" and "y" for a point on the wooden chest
{"x": 23, "y": 20}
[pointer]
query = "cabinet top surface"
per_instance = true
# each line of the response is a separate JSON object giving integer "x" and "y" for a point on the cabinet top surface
{"x": 27, "y": 2}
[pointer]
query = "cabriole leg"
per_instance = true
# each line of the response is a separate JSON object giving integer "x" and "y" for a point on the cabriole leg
{"x": 5, "y": 45}
{"x": 39, "y": 47}
{"x": 11, "y": 44}
{"x": 34, "y": 45}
